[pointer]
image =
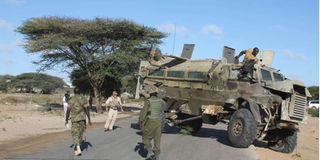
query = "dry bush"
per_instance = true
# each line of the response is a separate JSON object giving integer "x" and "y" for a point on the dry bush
{"x": 23, "y": 98}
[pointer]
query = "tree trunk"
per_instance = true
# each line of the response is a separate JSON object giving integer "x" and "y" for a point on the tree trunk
{"x": 97, "y": 95}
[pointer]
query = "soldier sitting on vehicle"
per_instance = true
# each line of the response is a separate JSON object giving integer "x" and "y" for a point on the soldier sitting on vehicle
{"x": 249, "y": 61}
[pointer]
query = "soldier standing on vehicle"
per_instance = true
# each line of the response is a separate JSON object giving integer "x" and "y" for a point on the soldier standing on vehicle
{"x": 150, "y": 122}
{"x": 78, "y": 111}
{"x": 113, "y": 103}
{"x": 65, "y": 101}
{"x": 249, "y": 61}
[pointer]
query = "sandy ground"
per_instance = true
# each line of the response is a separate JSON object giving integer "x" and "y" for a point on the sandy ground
{"x": 307, "y": 148}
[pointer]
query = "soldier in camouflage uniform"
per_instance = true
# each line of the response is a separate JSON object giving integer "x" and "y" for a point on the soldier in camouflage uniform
{"x": 78, "y": 111}
{"x": 150, "y": 122}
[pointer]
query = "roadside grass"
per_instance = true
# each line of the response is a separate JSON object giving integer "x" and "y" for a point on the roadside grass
{"x": 313, "y": 112}
{"x": 27, "y": 98}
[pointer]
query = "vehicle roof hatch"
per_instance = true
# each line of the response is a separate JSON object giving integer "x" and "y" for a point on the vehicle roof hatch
{"x": 187, "y": 51}
{"x": 266, "y": 57}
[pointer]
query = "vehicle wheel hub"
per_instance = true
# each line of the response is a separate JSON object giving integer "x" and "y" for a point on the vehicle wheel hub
{"x": 237, "y": 128}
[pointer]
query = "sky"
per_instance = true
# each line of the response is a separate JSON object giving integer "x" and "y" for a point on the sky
{"x": 288, "y": 27}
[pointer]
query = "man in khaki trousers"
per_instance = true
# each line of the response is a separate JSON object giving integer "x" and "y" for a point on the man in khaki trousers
{"x": 113, "y": 103}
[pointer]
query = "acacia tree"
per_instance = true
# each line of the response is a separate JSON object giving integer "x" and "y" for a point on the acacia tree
{"x": 95, "y": 46}
{"x": 31, "y": 81}
{"x": 80, "y": 80}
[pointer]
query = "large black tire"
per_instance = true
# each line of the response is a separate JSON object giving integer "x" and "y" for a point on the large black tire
{"x": 286, "y": 144}
{"x": 190, "y": 127}
{"x": 242, "y": 128}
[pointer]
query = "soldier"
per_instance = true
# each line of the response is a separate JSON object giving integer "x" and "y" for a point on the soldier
{"x": 113, "y": 103}
{"x": 65, "y": 101}
{"x": 90, "y": 102}
{"x": 150, "y": 122}
{"x": 156, "y": 60}
{"x": 249, "y": 61}
{"x": 78, "y": 111}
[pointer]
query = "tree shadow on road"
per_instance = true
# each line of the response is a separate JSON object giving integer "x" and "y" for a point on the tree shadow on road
{"x": 136, "y": 127}
{"x": 222, "y": 137}
{"x": 116, "y": 127}
{"x": 166, "y": 130}
{"x": 85, "y": 145}
{"x": 218, "y": 134}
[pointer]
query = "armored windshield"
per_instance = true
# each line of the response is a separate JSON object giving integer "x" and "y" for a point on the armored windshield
{"x": 266, "y": 75}
{"x": 277, "y": 77}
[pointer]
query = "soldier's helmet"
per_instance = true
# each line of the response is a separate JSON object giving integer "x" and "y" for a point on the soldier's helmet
{"x": 255, "y": 50}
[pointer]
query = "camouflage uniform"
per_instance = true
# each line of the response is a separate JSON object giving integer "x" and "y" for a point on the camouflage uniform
{"x": 78, "y": 105}
{"x": 151, "y": 117}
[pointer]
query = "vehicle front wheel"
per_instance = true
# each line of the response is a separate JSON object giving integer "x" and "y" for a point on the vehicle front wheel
{"x": 286, "y": 144}
{"x": 242, "y": 128}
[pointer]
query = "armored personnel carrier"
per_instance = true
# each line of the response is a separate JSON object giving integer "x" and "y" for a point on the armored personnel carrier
{"x": 266, "y": 107}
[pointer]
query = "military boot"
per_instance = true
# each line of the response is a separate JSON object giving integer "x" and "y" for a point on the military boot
{"x": 157, "y": 157}
{"x": 153, "y": 157}
{"x": 78, "y": 151}
{"x": 149, "y": 154}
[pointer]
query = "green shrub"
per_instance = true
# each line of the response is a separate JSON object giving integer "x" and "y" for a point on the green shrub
{"x": 313, "y": 112}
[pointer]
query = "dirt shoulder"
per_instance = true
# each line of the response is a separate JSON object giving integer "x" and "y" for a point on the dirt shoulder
{"x": 307, "y": 148}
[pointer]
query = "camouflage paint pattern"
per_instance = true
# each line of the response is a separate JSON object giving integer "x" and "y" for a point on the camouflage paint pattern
{"x": 77, "y": 129}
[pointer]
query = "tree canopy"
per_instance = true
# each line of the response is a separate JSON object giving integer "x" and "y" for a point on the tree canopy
{"x": 31, "y": 82}
{"x": 99, "y": 47}
{"x": 4, "y": 82}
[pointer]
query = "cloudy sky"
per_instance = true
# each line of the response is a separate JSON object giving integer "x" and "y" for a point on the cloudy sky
{"x": 290, "y": 28}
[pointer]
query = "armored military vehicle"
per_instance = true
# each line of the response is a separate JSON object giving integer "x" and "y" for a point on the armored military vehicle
{"x": 267, "y": 106}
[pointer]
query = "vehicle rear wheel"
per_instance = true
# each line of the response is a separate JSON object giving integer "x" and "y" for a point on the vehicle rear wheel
{"x": 242, "y": 128}
{"x": 189, "y": 127}
{"x": 286, "y": 145}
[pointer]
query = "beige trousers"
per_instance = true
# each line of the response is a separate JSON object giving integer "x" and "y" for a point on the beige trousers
{"x": 112, "y": 115}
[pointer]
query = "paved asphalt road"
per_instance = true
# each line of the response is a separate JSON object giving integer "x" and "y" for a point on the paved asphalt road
{"x": 123, "y": 144}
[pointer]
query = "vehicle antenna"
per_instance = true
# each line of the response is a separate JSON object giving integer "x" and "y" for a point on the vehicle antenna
{"x": 174, "y": 39}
